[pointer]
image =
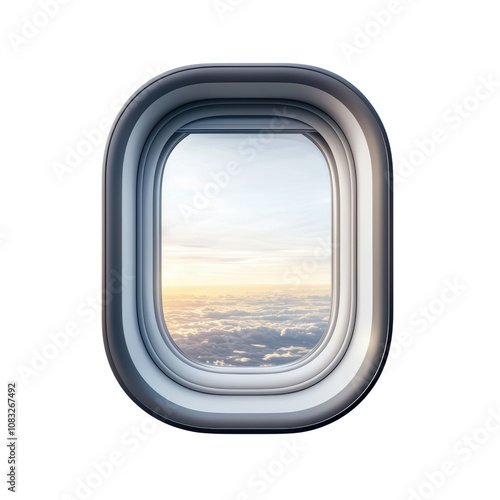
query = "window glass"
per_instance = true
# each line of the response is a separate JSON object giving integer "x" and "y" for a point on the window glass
{"x": 246, "y": 247}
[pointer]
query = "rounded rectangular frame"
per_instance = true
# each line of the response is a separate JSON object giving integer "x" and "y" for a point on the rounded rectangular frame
{"x": 341, "y": 370}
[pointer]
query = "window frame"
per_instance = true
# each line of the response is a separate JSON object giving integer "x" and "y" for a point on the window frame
{"x": 146, "y": 131}
{"x": 226, "y": 380}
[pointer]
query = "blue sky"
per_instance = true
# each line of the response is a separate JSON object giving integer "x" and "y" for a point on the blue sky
{"x": 239, "y": 209}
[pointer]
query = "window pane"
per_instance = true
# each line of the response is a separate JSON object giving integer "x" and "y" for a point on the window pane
{"x": 246, "y": 247}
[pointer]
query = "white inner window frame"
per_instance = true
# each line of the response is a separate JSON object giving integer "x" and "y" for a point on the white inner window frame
{"x": 232, "y": 117}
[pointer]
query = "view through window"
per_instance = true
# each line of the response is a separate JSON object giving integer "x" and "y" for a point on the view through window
{"x": 246, "y": 247}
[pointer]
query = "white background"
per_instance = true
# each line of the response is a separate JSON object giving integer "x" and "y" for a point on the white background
{"x": 442, "y": 382}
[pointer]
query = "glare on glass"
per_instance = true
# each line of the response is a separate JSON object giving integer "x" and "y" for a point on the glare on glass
{"x": 246, "y": 248}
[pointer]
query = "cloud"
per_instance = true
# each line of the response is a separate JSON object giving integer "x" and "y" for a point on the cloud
{"x": 260, "y": 331}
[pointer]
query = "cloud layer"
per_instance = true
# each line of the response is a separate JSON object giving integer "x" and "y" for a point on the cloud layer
{"x": 246, "y": 326}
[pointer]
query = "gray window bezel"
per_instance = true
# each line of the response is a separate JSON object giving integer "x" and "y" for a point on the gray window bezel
{"x": 139, "y": 374}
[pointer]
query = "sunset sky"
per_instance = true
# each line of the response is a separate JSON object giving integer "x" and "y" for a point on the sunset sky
{"x": 273, "y": 209}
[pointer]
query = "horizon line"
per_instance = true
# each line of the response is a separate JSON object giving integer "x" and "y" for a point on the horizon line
{"x": 164, "y": 285}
